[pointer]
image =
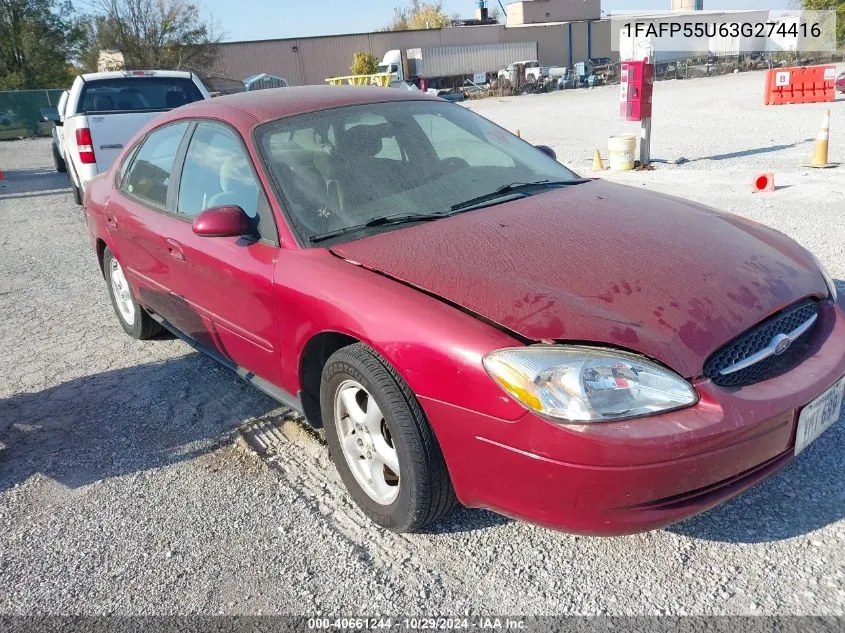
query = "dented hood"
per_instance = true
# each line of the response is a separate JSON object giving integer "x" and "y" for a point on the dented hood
{"x": 603, "y": 263}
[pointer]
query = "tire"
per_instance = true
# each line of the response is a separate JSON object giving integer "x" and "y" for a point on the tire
{"x": 424, "y": 490}
{"x": 77, "y": 193}
{"x": 139, "y": 325}
{"x": 59, "y": 162}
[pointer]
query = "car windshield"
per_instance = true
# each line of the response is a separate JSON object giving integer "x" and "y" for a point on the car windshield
{"x": 346, "y": 167}
{"x": 129, "y": 94}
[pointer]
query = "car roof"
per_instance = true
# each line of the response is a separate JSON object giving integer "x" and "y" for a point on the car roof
{"x": 275, "y": 103}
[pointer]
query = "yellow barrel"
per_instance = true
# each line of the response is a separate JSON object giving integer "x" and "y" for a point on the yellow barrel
{"x": 621, "y": 149}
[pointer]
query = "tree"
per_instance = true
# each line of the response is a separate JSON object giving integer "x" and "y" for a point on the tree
{"x": 364, "y": 63}
{"x": 99, "y": 35}
{"x": 152, "y": 34}
{"x": 830, "y": 5}
{"x": 419, "y": 15}
{"x": 37, "y": 38}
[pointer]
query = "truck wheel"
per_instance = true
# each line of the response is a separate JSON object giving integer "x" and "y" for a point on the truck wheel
{"x": 133, "y": 318}
{"x": 381, "y": 442}
{"x": 58, "y": 161}
{"x": 77, "y": 192}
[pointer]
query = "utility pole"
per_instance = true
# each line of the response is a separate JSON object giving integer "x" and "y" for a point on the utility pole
{"x": 645, "y": 125}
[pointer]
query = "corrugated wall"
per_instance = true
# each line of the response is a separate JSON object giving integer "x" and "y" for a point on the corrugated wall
{"x": 309, "y": 60}
{"x": 330, "y": 56}
{"x": 601, "y": 40}
{"x": 275, "y": 57}
{"x": 552, "y": 42}
{"x": 579, "y": 42}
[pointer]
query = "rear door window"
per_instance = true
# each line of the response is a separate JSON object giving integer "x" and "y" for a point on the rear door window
{"x": 137, "y": 94}
{"x": 148, "y": 177}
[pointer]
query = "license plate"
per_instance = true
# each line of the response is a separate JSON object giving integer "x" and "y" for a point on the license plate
{"x": 818, "y": 416}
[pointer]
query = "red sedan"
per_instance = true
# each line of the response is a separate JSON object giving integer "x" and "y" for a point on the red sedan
{"x": 468, "y": 319}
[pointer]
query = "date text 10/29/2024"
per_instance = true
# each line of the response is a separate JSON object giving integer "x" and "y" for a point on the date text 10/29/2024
{"x": 418, "y": 623}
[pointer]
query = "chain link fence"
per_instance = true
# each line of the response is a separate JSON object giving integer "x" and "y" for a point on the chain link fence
{"x": 599, "y": 72}
{"x": 714, "y": 65}
{"x": 20, "y": 111}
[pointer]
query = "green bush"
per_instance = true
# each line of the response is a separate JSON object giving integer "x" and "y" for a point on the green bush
{"x": 364, "y": 63}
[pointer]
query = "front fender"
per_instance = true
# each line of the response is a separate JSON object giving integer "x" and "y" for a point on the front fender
{"x": 436, "y": 348}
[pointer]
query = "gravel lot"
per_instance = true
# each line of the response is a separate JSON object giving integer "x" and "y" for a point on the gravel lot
{"x": 124, "y": 487}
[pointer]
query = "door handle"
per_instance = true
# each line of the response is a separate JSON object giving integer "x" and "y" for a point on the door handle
{"x": 175, "y": 250}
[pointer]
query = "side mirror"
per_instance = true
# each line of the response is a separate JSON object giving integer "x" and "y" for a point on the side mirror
{"x": 226, "y": 221}
{"x": 547, "y": 150}
{"x": 50, "y": 113}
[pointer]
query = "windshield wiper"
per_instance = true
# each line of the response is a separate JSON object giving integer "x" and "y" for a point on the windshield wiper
{"x": 514, "y": 187}
{"x": 407, "y": 218}
{"x": 399, "y": 218}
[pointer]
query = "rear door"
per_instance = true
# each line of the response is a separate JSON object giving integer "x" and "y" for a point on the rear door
{"x": 138, "y": 221}
{"x": 117, "y": 107}
{"x": 224, "y": 284}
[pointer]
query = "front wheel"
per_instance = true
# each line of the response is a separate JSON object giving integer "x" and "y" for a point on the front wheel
{"x": 381, "y": 442}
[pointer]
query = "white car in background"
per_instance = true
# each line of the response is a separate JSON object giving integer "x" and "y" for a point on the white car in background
{"x": 104, "y": 110}
{"x": 533, "y": 71}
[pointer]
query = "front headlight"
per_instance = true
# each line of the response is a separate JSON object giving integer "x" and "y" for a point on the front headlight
{"x": 827, "y": 278}
{"x": 587, "y": 384}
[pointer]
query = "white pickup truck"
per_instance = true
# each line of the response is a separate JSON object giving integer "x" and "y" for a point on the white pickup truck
{"x": 533, "y": 71}
{"x": 104, "y": 111}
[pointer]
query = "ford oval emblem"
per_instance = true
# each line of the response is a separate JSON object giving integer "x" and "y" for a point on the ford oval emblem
{"x": 782, "y": 344}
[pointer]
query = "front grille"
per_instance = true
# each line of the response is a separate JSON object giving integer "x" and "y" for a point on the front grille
{"x": 756, "y": 339}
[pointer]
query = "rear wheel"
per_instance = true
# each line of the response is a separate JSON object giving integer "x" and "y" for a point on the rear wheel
{"x": 77, "y": 192}
{"x": 58, "y": 161}
{"x": 133, "y": 319}
{"x": 381, "y": 442}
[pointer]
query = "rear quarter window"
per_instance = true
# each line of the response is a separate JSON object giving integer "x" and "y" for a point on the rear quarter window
{"x": 137, "y": 94}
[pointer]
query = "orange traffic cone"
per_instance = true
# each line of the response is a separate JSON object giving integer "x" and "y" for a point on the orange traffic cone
{"x": 598, "y": 163}
{"x": 763, "y": 182}
{"x": 819, "y": 159}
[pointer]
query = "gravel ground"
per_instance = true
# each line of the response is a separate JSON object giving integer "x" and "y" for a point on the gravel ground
{"x": 124, "y": 487}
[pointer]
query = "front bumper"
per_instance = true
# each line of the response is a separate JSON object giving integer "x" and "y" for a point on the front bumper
{"x": 637, "y": 475}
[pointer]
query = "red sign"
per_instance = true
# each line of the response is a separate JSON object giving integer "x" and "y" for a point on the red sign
{"x": 636, "y": 90}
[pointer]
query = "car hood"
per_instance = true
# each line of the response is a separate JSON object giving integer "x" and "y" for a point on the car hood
{"x": 603, "y": 263}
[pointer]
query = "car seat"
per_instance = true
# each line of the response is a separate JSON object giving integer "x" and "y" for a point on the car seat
{"x": 237, "y": 186}
{"x": 103, "y": 103}
{"x": 174, "y": 98}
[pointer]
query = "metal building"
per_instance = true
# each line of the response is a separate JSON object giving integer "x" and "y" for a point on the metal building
{"x": 310, "y": 60}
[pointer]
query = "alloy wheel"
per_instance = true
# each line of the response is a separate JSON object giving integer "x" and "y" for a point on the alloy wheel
{"x": 121, "y": 292}
{"x": 366, "y": 442}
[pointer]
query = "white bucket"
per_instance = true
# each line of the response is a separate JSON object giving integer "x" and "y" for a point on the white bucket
{"x": 621, "y": 150}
